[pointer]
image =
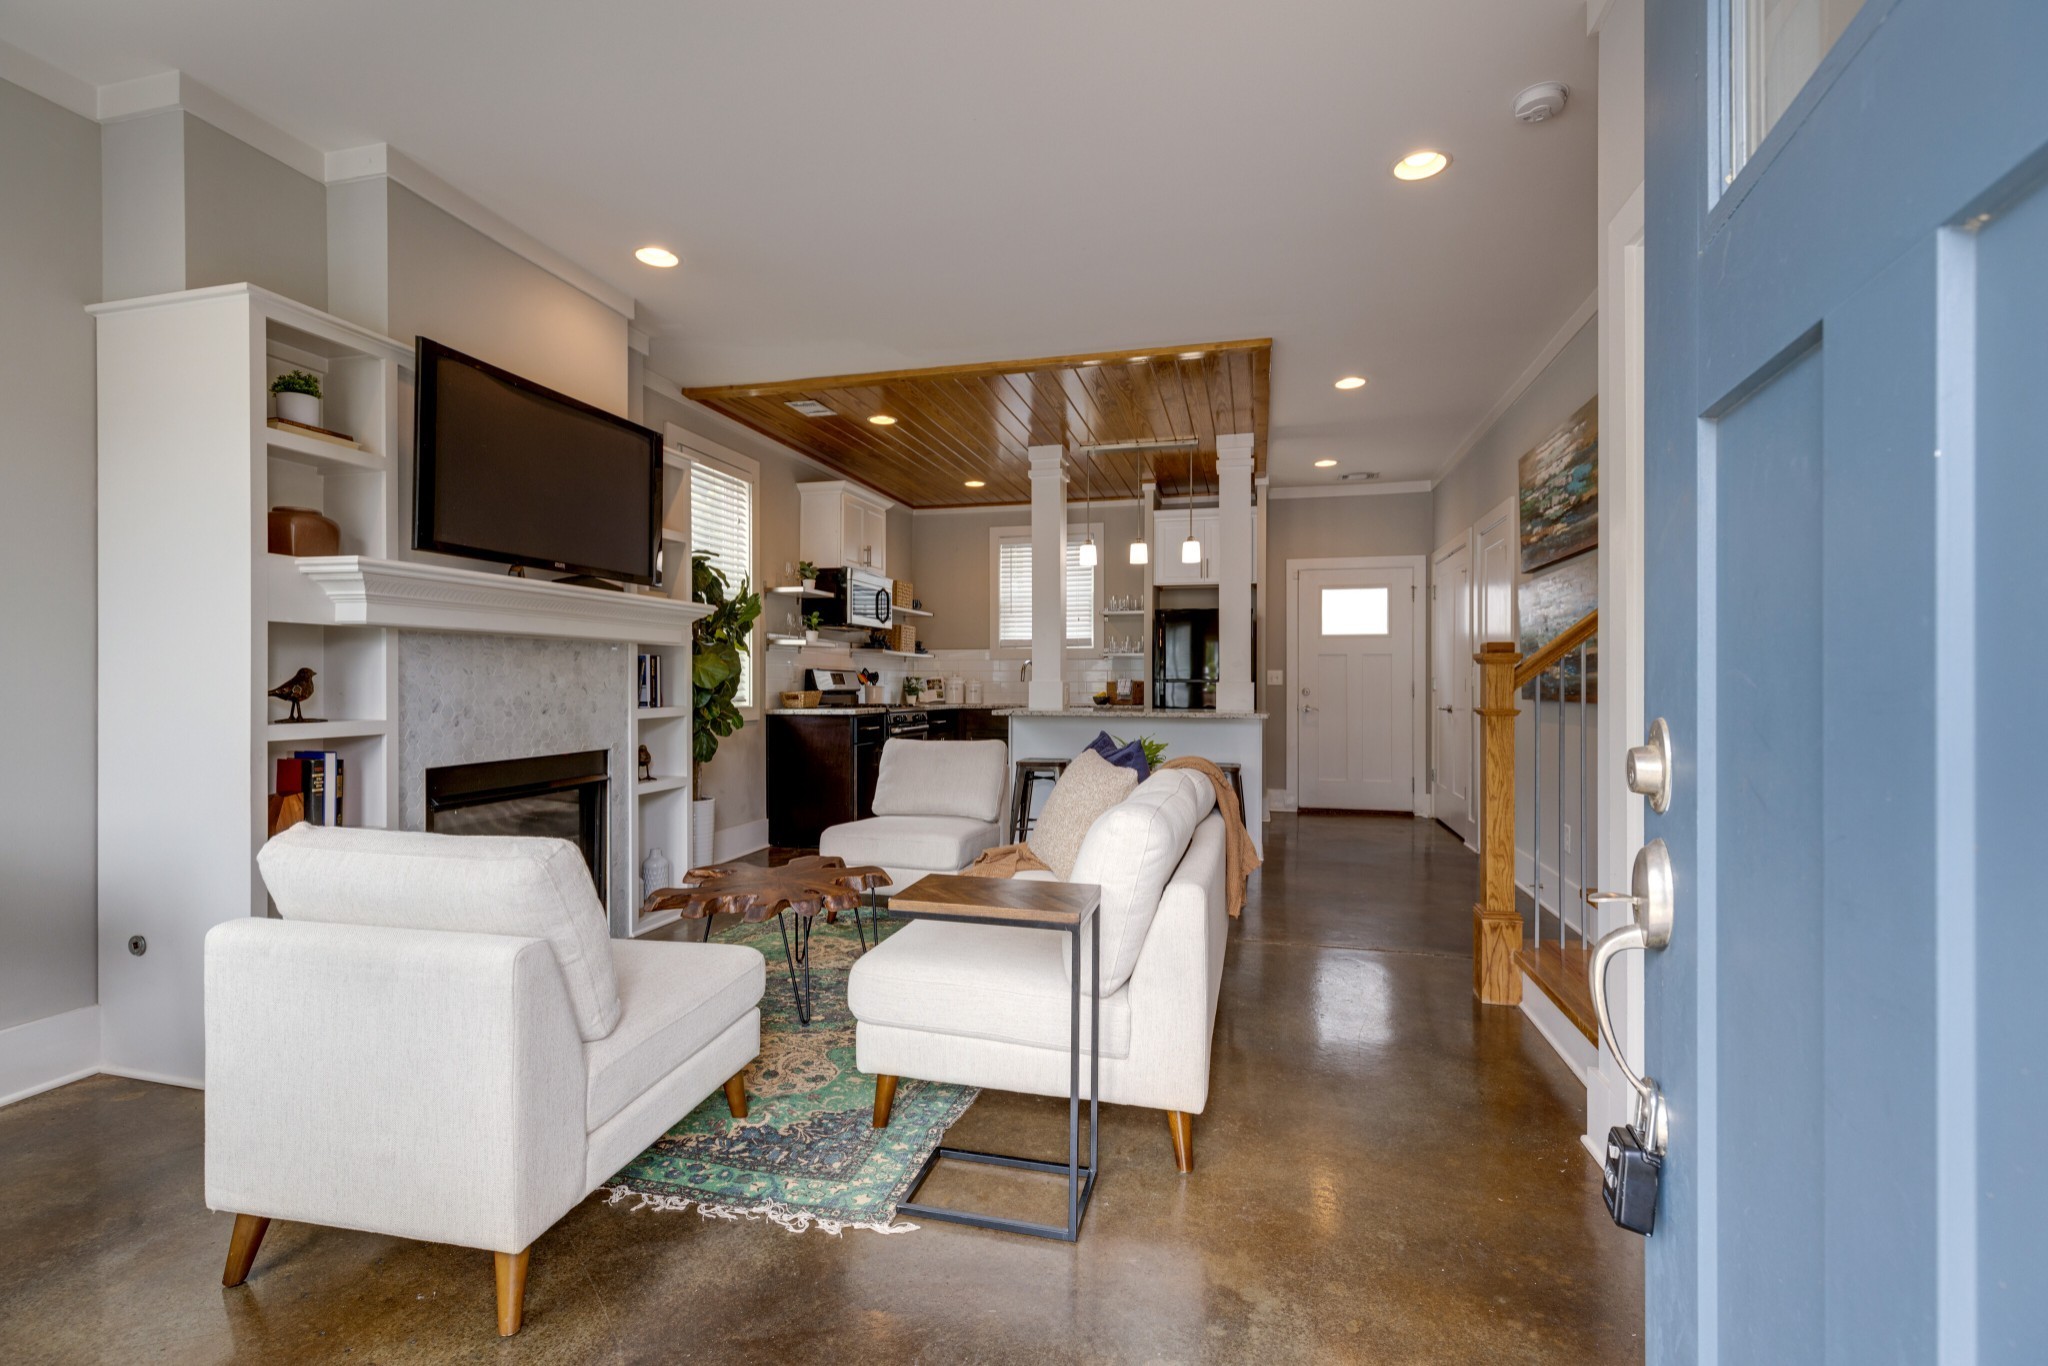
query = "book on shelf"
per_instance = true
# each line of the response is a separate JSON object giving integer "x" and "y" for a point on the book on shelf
{"x": 312, "y": 785}
{"x": 652, "y": 686}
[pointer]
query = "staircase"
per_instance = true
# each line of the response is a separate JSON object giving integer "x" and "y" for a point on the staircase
{"x": 1553, "y": 944}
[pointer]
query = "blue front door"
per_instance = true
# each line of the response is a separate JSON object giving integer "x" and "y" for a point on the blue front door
{"x": 1846, "y": 480}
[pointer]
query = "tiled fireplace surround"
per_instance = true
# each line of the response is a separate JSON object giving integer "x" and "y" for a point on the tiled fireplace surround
{"x": 473, "y": 698}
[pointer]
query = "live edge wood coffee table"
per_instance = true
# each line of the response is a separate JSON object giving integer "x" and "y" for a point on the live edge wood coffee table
{"x": 805, "y": 887}
{"x": 1059, "y": 906}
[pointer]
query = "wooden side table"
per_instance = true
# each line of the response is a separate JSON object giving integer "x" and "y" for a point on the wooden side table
{"x": 1059, "y": 906}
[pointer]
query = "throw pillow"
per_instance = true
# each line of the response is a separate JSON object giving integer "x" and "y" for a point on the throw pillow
{"x": 1090, "y": 786}
{"x": 1130, "y": 756}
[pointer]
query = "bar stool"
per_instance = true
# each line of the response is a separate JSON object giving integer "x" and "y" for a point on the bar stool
{"x": 1236, "y": 783}
{"x": 1028, "y": 774}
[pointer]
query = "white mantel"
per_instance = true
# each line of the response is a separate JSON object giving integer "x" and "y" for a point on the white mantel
{"x": 354, "y": 590}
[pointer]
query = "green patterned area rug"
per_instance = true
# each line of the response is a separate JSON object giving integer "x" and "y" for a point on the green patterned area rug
{"x": 807, "y": 1156}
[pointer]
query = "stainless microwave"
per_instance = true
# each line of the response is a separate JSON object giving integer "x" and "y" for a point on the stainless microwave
{"x": 860, "y": 597}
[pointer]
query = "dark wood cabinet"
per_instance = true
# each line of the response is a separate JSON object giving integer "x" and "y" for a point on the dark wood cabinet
{"x": 822, "y": 768}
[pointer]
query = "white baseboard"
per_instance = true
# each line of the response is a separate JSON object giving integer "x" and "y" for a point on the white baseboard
{"x": 1565, "y": 1040}
{"x": 47, "y": 1053}
{"x": 1279, "y": 800}
{"x": 729, "y": 844}
{"x": 160, "y": 1078}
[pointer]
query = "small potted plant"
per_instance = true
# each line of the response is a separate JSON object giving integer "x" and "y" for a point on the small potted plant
{"x": 807, "y": 575}
{"x": 812, "y": 621}
{"x": 298, "y": 397}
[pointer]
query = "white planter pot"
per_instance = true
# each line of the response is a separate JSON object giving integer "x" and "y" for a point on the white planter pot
{"x": 810, "y": 637}
{"x": 303, "y": 409}
{"x": 703, "y": 831}
{"x": 810, "y": 585}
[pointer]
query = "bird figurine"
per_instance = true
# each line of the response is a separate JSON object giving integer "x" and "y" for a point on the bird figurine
{"x": 295, "y": 690}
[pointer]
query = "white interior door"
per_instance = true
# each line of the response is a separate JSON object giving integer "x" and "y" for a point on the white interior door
{"x": 1494, "y": 539}
{"x": 1450, "y": 702}
{"x": 1355, "y": 689}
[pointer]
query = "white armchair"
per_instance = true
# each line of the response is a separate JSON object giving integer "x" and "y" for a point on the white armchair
{"x": 937, "y": 804}
{"x": 439, "y": 1041}
{"x": 980, "y": 1005}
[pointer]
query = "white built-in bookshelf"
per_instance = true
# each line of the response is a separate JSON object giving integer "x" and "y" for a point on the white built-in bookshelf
{"x": 197, "y": 620}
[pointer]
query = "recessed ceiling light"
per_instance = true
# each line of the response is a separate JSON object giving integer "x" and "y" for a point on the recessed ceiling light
{"x": 882, "y": 420}
{"x": 1351, "y": 382}
{"x": 657, "y": 256}
{"x": 1192, "y": 355}
{"x": 1136, "y": 360}
{"x": 1420, "y": 165}
{"x": 977, "y": 483}
{"x": 1324, "y": 464}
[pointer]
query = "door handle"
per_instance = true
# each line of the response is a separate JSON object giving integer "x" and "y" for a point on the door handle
{"x": 1448, "y": 709}
{"x": 1650, "y": 899}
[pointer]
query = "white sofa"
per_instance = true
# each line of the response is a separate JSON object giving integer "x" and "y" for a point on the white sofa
{"x": 981, "y": 1005}
{"x": 440, "y": 1041}
{"x": 937, "y": 805}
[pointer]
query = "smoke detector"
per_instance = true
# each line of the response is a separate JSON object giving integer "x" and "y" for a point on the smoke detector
{"x": 1540, "y": 102}
{"x": 810, "y": 407}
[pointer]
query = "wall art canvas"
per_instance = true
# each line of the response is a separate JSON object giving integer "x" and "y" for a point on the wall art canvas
{"x": 1560, "y": 487}
{"x": 1548, "y": 603}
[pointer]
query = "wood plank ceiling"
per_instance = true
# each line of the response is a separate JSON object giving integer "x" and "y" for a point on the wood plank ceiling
{"x": 975, "y": 422}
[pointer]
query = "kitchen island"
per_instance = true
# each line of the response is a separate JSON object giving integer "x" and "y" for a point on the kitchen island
{"x": 1226, "y": 737}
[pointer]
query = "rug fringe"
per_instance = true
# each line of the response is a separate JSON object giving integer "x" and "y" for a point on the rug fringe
{"x": 787, "y": 1217}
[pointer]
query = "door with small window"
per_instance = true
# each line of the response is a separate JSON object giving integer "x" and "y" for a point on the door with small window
{"x": 1354, "y": 690}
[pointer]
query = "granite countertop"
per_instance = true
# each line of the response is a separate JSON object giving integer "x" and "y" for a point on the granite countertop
{"x": 1153, "y": 713}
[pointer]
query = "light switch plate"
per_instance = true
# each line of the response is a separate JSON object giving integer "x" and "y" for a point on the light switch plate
{"x": 1276, "y": 678}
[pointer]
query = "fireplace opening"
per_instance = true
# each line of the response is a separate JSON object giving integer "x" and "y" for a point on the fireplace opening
{"x": 565, "y": 796}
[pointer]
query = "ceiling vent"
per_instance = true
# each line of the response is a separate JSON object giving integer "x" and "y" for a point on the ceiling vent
{"x": 810, "y": 407}
{"x": 1359, "y": 476}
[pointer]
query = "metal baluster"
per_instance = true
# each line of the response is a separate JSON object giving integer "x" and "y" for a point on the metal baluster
{"x": 1585, "y": 686}
{"x": 1536, "y": 814}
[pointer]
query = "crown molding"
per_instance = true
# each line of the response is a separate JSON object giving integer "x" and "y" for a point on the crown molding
{"x": 1350, "y": 490}
{"x": 1558, "y": 341}
{"x": 38, "y": 77}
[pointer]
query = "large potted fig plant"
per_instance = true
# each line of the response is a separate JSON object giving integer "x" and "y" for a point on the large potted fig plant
{"x": 719, "y": 642}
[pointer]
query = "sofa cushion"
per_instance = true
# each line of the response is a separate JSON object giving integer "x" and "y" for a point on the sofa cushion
{"x": 935, "y": 843}
{"x": 941, "y": 778}
{"x": 981, "y": 982}
{"x": 1089, "y": 786}
{"x": 1130, "y": 754}
{"x": 478, "y": 884}
{"x": 675, "y": 998}
{"x": 1131, "y": 852}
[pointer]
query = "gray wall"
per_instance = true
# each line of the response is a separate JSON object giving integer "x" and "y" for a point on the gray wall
{"x": 450, "y": 282}
{"x": 1315, "y": 529}
{"x": 248, "y": 216}
{"x": 49, "y": 272}
{"x": 1487, "y": 473}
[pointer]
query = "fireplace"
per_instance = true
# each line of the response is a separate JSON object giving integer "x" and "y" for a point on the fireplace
{"x": 565, "y": 796}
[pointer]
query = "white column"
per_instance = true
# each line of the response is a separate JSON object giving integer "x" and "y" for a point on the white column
{"x": 1048, "y": 578}
{"x": 1234, "y": 571}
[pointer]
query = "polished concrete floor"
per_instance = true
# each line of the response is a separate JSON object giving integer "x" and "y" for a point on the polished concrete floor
{"x": 1386, "y": 1172}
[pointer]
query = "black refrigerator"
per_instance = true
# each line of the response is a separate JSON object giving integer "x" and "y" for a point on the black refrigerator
{"x": 1184, "y": 658}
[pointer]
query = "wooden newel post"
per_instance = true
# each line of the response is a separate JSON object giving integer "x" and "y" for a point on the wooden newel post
{"x": 1496, "y": 923}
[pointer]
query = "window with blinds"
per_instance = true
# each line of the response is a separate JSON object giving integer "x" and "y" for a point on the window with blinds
{"x": 1013, "y": 592}
{"x": 722, "y": 527}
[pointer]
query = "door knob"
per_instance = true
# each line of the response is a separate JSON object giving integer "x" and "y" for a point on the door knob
{"x": 1448, "y": 709}
{"x": 1650, "y": 896}
{"x": 1649, "y": 767}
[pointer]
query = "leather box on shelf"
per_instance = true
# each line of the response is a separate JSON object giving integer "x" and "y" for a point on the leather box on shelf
{"x": 302, "y": 531}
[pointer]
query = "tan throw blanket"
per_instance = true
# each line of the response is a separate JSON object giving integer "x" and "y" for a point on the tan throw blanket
{"x": 1240, "y": 855}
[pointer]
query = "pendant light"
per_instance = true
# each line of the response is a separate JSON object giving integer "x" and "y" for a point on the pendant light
{"x": 1191, "y": 549}
{"x": 1088, "y": 519}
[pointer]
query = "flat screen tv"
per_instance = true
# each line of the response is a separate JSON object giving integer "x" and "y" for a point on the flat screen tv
{"x": 512, "y": 471}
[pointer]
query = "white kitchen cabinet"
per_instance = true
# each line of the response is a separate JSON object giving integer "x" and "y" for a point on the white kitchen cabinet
{"x": 1170, "y": 528}
{"x": 843, "y": 524}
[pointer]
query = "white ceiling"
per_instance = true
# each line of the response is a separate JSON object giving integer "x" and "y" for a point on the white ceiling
{"x": 895, "y": 183}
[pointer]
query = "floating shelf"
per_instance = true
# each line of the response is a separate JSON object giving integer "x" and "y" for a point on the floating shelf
{"x": 284, "y": 732}
{"x": 797, "y": 590}
{"x": 647, "y": 787}
{"x": 659, "y": 713}
{"x": 797, "y": 641}
{"x": 893, "y": 654}
{"x": 1123, "y": 612}
{"x": 1123, "y": 654}
{"x": 910, "y": 611}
